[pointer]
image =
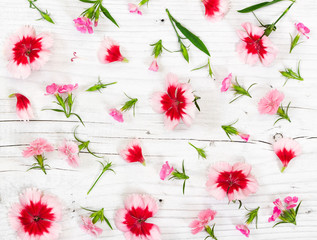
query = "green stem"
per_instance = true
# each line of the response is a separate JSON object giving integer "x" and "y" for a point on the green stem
{"x": 95, "y": 182}
{"x": 172, "y": 22}
{"x": 40, "y": 161}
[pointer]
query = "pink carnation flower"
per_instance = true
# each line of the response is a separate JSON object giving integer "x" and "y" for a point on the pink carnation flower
{"x": 244, "y": 136}
{"x": 276, "y": 213}
{"x": 133, "y": 218}
{"x": 52, "y": 89}
{"x": 26, "y": 51}
{"x": 116, "y": 114}
{"x": 226, "y": 83}
{"x": 243, "y": 229}
{"x": 302, "y": 29}
{"x": 235, "y": 181}
{"x": 90, "y": 228}
{"x": 70, "y": 150}
{"x": 67, "y": 88}
{"x": 133, "y": 8}
{"x": 83, "y": 24}
{"x": 216, "y": 9}
{"x": 36, "y": 216}
{"x": 204, "y": 217}
{"x": 176, "y": 102}
{"x": 291, "y": 202}
{"x": 23, "y": 107}
{"x": 109, "y": 52}
{"x": 271, "y": 102}
{"x": 254, "y": 46}
{"x": 166, "y": 170}
{"x": 133, "y": 152}
{"x": 37, "y": 147}
{"x": 154, "y": 66}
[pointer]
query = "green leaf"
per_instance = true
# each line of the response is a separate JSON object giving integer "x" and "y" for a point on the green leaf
{"x": 129, "y": 104}
{"x": 201, "y": 152}
{"x": 108, "y": 15}
{"x": 258, "y": 6}
{"x": 47, "y": 17}
{"x": 184, "y": 51}
{"x": 144, "y": 2}
{"x": 87, "y": 1}
{"x": 297, "y": 208}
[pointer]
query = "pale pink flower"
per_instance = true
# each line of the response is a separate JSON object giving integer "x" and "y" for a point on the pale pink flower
{"x": 176, "y": 102}
{"x": 286, "y": 149}
{"x": 23, "y": 107}
{"x": 216, "y": 9}
{"x": 302, "y": 29}
{"x": 133, "y": 152}
{"x": 204, "y": 217}
{"x": 37, "y": 147}
{"x": 254, "y": 46}
{"x": 116, "y": 114}
{"x": 291, "y": 202}
{"x": 27, "y": 51}
{"x": 70, "y": 150}
{"x": 243, "y": 229}
{"x": 226, "y": 83}
{"x": 166, "y": 170}
{"x": 67, "y": 88}
{"x": 271, "y": 102}
{"x": 52, "y": 89}
{"x": 36, "y": 216}
{"x": 83, "y": 24}
{"x": 244, "y": 136}
{"x": 133, "y": 8}
{"x": 133, "y": 218}
{"x": 235, "y": 181}
{"x": 276, "y": 213}
{"x": 89, "y": 227}
{"x": 109, "y": 52}
{"x": 154, "y": 66}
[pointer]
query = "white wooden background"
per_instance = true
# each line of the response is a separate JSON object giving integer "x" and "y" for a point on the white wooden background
{"x": 107, "y": 137}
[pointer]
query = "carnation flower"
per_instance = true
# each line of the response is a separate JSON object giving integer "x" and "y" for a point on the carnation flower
{"x": 154, "y": 66}
{"x": 302, "y": 30}
{"x": 235, "y": 181}
{"x": 216, "y": 9}
{"x": 230, "y": 130}
{"x": 36, "y": 216}
{"x": 133, "y": 8}
{"x": 90, "y": 228}
{"x": 176, "y": 103}
{"x": 286, "y": 149}
{"x": 166, "y": 171}
{"x": 67, "y": 88}
{"x": 133, "y": 152}
{"x": 243, "y": 228}
{"x": 255, "y": 46}
{"x": 52, "y": 89}
{"x": 132, "y": 219}
{"x": 23, "y": 107}
{"x": 251, "y": 215}
{"x": 109, "y": 52}
{"x": 27, "y": 51}
{"x": 116, "y": 114}
{"x": 83, "y": 25}
{"x": 200, "y": 224}
{"x": 70, "y": 150}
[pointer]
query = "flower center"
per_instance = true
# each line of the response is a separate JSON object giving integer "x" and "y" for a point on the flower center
{"x": 36, "y": 218}
{"x": 232, "y": 181}
{"x": 26, "y": 51}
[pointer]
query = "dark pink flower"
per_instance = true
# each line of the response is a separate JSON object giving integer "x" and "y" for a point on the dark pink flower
{"x": 83, "y": 24}
{"x": 204, "y": 217}
{"x": 244, "y": 136}
{"x": 23, "y": 107}
{"x": 226, "y": 83}
{"x": 276, "y": 213}
{"x": 243, "y": 229}
{"x": 67, "y": 88}
{"x": 116, "y": 114}
{"x": 52, "y": 89}
{"x": 166, "y": 170}
{"x": 291, "y": 202}
{"x": 302, "y": 29}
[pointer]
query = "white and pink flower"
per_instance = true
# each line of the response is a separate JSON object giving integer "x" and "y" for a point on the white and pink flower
{"x": 132, "y": 219}
{"x": 71, "y": 151}
{"x": 176, "y": 102}
{"x": 154, "y": 66}
{"x": 216, "y": 9}
{"x": 235, "y": 181}
{"x": 23, "y": 107}
{"x": 36, "y": 216}
{"x": 204, "y": 217}
{"x": 109, "y": 52}
{"x": 286, "y": 149}
{"x": 133, "y": 8}
{"x": 89, "y": 227}
{"x": 255, "y": 46}
{"x": 27, "y": 51}
{"x": 166, "y": 170}
{"x": 271, "y": 102}
{"x": 133, "y": 152}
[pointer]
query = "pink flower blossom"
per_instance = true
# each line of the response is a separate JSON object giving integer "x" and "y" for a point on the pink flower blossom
{"x": 286, "y": 149}
{"x": 271, "y": 102}
{"x": 109, "y": 52}
{"x": 154, "y": 66}
{"x": 133, "y": 218}
{"x": 243, "y": 229}
{"x": 254, "y": 46}
{"x": 27, "y": 51}
{"x": 166, "y": 170}
{"x": 89, "y": 227}
{"x": 291, "y": 202}
{"x": 235, "y": 181}
{"x": 226, "y": 83}
{"x": 244, "y": 136}
{"x": 116, "y": 114}
{"x": 36, "y": 216}
{"x": 23, "y": 107}
{"x": 276, "y": 213}
{"x": 83, "y": 24}
{"x": 176, "y": 102}
{"x": 204, "y": 217}
{"x": 133, "y": 152}
{"x": 67, "y": 88}
{"x": 302, "y": 29}
{"x": 70, "y": 150}
{"x": 216, "y": 9}
{"x": 133, "y": 8}
{"x": 37, "y": 147}
{"x": 278, "y": 203}
{"x": 52, "y": 89}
